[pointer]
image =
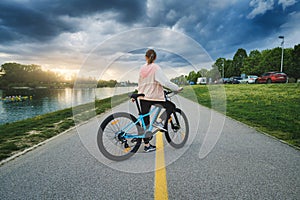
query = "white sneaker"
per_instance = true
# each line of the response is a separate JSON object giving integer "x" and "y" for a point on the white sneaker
{"x": 159, "y": 125}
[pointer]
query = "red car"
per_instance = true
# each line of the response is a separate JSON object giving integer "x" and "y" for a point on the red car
{"x": 272, "y": 77}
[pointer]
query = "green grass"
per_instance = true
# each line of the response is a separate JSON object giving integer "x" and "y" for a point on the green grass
{"x": 17, "y": 136}
{"x": 271, "y": 108}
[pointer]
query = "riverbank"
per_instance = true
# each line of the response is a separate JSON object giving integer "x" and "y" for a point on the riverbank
{"x": 42, "y": 101}
{"x": 18, "y": 136}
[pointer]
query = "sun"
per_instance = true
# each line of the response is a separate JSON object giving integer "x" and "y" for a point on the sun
{"x": 68, "y": 74}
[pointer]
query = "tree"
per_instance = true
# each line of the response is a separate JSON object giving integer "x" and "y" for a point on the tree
{"x": 220, "y": 62}
{"x": 295, "y": 68}
{"x": 12, "y": 71}
{"x": 103, "y": 83}
{"x": 192, "y": 77}
{"x": 203, "y": 72}
{"x": 271, "y": 60}
{"x": 214, "y": 73}
{"x": 288, "y": 62}
{"x": 180, "y": 80}
{"x": 229, "y": 69}
{"x": 238, "y": 60}
{"x": 16, "y": 74}
{"x": 251, "y": 63}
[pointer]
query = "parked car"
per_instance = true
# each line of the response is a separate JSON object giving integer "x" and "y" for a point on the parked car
{"x": 222, "y": 81}
{"x": 225, "y": 80}
{"x": 249, "y": 79}
{"x": 272, "y": 77}
{"x": 202, "y": 80}
{"x": 234, "y": 80}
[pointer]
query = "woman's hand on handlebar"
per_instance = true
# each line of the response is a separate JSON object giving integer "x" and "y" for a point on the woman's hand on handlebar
{"x": 180, "y": 89}
{"x": 168, "y": 92}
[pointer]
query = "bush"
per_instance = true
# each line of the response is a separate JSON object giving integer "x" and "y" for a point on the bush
{"x": 292, "y": 80}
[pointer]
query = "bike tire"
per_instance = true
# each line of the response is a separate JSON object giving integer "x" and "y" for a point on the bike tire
{"x": 108, "y": 141}
{"x": 177, "y": 135}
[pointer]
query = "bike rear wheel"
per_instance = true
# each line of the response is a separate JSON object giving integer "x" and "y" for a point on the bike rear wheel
{"x": 110, "y": 138}
{"x": 178, "y": 129}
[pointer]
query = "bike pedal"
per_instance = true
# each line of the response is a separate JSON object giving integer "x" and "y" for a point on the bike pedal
{"x": 148, "y": 134}
{"x": 126, "y": 150}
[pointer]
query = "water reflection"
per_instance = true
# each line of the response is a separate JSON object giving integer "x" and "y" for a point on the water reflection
{"x": 45, "y": 101}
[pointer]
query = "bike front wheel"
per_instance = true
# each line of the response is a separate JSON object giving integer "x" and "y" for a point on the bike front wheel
{"x": 178, "y": 129}
{"x": 110, "y": 138}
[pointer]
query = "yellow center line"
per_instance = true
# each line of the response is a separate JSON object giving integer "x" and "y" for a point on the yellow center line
{"x": 161, "y": 187}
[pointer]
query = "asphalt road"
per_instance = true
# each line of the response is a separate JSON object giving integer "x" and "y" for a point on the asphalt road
{"x": 223, "y": 159}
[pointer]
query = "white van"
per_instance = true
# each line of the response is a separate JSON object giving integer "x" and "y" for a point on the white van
{"x": 202, "y": 80}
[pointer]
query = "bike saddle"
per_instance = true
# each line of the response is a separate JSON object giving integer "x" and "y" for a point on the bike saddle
{"x": 135, "y": 96}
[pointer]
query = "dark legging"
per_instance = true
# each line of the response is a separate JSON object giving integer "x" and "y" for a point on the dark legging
{"x": 145, "y": 108}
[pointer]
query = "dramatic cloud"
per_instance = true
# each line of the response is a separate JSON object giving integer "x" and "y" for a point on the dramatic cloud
{"x": 260, "y": 7}
{"x": 62, "y": 33}
{"x": 22, "y": 23}
{"x": 286, "y": 3}
{"x": 44, "y": 20}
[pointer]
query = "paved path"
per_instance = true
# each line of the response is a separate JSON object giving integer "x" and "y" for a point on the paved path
{"x": 243, "y": 164}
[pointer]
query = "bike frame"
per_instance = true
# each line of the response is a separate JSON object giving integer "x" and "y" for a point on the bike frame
{"x": 125, "y": 131}
{"x": 156, "y": 112}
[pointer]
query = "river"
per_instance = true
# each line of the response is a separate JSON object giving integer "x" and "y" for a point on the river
{"x": 50, "y": 100}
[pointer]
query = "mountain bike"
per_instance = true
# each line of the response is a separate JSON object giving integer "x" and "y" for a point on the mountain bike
{"x": 120, "y": 134}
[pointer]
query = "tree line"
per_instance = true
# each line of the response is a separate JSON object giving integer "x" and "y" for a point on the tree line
{"x": 256, "y": 63}
{"x": 20, "y": 75}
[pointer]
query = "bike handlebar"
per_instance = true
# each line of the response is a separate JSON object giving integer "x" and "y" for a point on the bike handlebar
{"x": 168, "y": 92}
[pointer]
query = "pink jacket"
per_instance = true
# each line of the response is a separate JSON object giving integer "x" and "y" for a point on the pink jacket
{"x": 151, "y": 82}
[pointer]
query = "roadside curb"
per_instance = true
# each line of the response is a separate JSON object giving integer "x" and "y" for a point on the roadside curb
{"x": 2, "y": 162}
{"x": 282, "y": 141}
{"x": 34, "y": 147}
{"x": 264, "y": 133}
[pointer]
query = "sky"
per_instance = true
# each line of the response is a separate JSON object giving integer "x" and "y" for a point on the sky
{"x": 108, "y": 38}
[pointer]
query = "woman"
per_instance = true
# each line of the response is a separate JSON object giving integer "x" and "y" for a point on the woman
{"x": 151, "y": 83}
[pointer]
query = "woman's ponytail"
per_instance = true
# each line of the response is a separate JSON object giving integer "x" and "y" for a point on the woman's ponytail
{"x": 151, "y": 55}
